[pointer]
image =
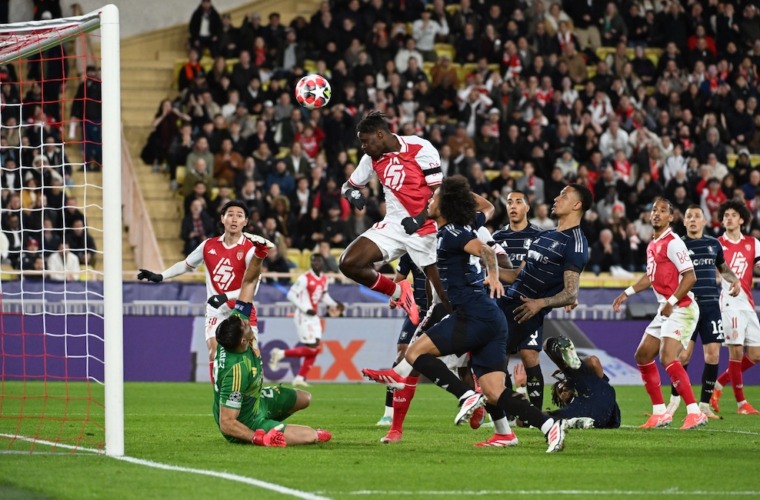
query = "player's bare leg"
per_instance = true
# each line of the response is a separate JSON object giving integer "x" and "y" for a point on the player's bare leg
{"x": 300, "y": 434}
{"x": 356, "y": 263}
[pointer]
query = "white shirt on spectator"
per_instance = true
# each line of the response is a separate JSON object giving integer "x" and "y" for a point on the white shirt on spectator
{"x": 63, "y": 267}
{"x": 402, "y": 59}
{"x": 673, "y": 165}
{"x": 609, "y": 144}
{"x": 424, "y": 34}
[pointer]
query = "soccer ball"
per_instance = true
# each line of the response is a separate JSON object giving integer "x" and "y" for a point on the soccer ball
{"x": 313, "y": 91}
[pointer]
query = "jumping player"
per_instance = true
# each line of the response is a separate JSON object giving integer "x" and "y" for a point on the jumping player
{"x": 225, "y": 258}
{"x": 306, "y": 293}
{"x": 244, "y": 411}
{"x": 515, "y": 238}
{"x": 409, "y": 168}
{"x": 742, "y": 329}
{"x": 707, "y": 255}
{"x": 670, "y": 273}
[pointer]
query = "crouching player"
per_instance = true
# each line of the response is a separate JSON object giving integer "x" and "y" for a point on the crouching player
{"x": 584, "y": 396}
{"x": 245, "y": 411}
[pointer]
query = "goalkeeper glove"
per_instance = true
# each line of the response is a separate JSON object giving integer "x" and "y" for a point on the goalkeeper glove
{"x": 272, "y": 438}
{"x": 355, "y": 197}
{"x": 144, "y": 274}
{"x": 412, "y": 224}
{"x": 261, "y": 245}
{"x": 216, "y": 301}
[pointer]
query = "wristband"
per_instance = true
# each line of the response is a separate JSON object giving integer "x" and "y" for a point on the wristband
{"x": 242, "y": 309}
{"x": 673, "y": 300}
{"x": 629, "y": 291}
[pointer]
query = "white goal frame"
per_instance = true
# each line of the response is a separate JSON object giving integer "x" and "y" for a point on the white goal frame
{"x": 107, "y": 19}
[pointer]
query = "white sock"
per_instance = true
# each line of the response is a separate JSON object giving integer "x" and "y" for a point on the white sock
{"x": 522, "y": 390}
{"x": 501, "y": 426}
{"x": 388, "y": 411}
{"x": 403, "y": 368}
{"x": 396, "y": 293}
{"x": 467, "y": 395}
{"x": 693, "y": 408}
{"x": 740, "y": 403}
{"x": 718, "y": 387}
{"x": 547, "y": 426}
{"x": 675, "y": 399}
{"x": 659, "y": 409}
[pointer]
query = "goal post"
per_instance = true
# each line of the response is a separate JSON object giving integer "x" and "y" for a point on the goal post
{"x": 59, "y": 335}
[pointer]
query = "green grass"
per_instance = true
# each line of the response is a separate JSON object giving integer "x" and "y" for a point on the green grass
{"x": 172, "y": 424}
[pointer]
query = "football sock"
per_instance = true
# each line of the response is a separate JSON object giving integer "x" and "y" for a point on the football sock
{"x": 402, "y": 398}
{"x": 386, "y": 286}
{"x": 737, "y": 378}
{"x": 403, "y": 368}
{"x": 547, "y": 426}
{"x": 651, "y": 378}
{"x": 389, "y": 398}
{"x": 301, "y": 352}
{"x": 680, "y": 380}
{"x": 435, "y": 370}
{"x": 747, "y": 363}
{"x": 535, "y": 385}
{"x": 211, "y": 371}
{"x": 308, "y": 362}
{"x": 515, "y": 404}
{"x": 499, "y": 419}
{"x": 723, "y": 380}
{"x": 709, "y": 374}
{"x": 673, "y": 390}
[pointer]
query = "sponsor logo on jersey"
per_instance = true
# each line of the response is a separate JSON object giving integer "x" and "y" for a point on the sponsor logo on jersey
{"x": 223, "y": 274}
{"x": 212, "y": 251}
{"x": 708, "y": 261}
{"x": 394, "y": 174}
{"x": 543, "y": 259}
{"x": 739, "y": 264}
{"x": 526, "y": 243}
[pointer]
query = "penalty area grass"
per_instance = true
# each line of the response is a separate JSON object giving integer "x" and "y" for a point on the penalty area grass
{"x": 172, "y": 424}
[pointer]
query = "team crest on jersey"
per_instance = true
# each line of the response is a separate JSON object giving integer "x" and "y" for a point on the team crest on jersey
{"x": 748, "y": 247}
{"x": 711, "y": 250}
{"x": 240, "y": 255}
{"x": 526, "y": 243}
{"x": 554, "y": 246}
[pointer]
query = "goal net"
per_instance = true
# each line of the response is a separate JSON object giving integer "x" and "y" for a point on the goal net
{"x": 60, "y": 247}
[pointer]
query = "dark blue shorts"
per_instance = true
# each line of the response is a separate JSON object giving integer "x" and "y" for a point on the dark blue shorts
{"x": 478, "y": 328}
{"x": 407, "y": 332}
{"x": 526, "y": 336}
{"x": 710, "y": 325}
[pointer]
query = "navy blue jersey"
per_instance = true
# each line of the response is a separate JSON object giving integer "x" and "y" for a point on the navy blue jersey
{"x": 549, "y": 256}
{"x": 406, "y": 266}
{"x": 516, "y": 243}
{"x": 596, "y": 399}
{"x": 706, "y": 254}
{"x": 461, "y": 274}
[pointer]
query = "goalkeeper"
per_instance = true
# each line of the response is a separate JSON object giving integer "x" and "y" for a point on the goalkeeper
{"x": 245, "y": 411}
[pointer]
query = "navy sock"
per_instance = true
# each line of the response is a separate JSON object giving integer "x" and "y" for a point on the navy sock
{"x": 514, "y": 403}
{"x": 535, "y": 385}
{"x": 438, "y": 373}
{"x": 709, "y": 375}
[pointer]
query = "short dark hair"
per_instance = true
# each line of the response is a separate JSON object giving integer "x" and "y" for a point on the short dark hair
{"x": 229, "y": 333}
{"x": 694, "y": 206}
{"x": 663, "y": 199}
{"x": 584, "y": 193}
{"x": 372, "y": 122}
{"x": 740, "y": 208}
{"x": 456, "y": 202}
{"x": 234, "y": 203}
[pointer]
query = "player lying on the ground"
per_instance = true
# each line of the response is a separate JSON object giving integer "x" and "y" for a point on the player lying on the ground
{"x": 584, "y": 395}
{"x": 245, "y": 411}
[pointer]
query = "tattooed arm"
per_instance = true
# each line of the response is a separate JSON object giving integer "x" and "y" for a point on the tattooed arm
{"x": 727, "y": 274}
{"x": 567, "y": 296}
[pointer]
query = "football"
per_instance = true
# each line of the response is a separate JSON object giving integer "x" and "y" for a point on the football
{"x": 313, "y": 91}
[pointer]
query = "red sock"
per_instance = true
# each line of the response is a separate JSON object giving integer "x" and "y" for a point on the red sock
{"x": 651, "y": 378}
{"x": 308, "y": 362}
{"x": 681, "y": 382}
{"x": 747, "y": 363}
{"x": 211, "y": 371}
{"x": 737, "y": 379}
{"x": 402, "y": 398}
{"x": 301, "y": 352}
{"x": 384, "y": 285}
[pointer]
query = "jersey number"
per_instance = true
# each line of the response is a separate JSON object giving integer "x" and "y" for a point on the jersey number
{"x": 717, "y": 328}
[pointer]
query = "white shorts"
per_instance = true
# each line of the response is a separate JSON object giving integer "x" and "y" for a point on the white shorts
{"x": 308, "y": 328}
{"x": 741, "y": 328}
{"x": 393, "y": 242}
{"x": 214, "y": 317}
{"x": 679, "y": 325}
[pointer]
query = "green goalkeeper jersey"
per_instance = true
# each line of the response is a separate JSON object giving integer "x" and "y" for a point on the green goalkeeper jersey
{"x": 238, "y": 379}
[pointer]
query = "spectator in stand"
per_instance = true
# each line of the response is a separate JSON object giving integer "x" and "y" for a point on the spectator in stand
{"x": 227, "y": 163}
{"x": 200, "y": 192}
{"x": 197, "y": 225}
{"x": 712, "y": 144}
{"x": 198, "y": 172}
{"x": 282, "y": 178}
{"x": 740, "y": 125}
{"x": 541, "y": 218}
{"x": 228, "y": 42}
{"x": 205, "y": 28}
{"x": 82, "y": 244}
{"x": 63, "y": 265}
{"x": 425, "y": 31}
{"x": 605, "y": 253}
{"x": 86, "y": 109}
{"x": 276, "y": 263}
{"x": 334, "y": 227}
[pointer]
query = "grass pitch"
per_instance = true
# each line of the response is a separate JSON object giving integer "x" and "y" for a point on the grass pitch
{"x": 171, "y": 424}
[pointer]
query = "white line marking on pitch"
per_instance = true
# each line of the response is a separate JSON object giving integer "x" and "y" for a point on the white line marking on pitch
{"x": 708, "y": 429}
{"x": 544, "y": 492}
{"x": 176, "y": 468}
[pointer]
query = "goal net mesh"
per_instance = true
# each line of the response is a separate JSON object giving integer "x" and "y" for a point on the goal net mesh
{"x": 51, "y": 309}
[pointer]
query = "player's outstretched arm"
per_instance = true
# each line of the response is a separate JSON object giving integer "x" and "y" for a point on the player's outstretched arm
{"x": 261, "y": 248}
{"x": 180, "y": 267}
{"x": 484, "y": 206}
{"x": 637, "y": 287}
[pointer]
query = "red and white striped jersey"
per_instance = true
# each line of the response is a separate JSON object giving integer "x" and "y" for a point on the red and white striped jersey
{"x": 308, "y": 291}
{"x": 225, "y": 266}
{"x": 408, "y": 177}
{"x": 742, "y": 257}
{"x": 667, "y": 260}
